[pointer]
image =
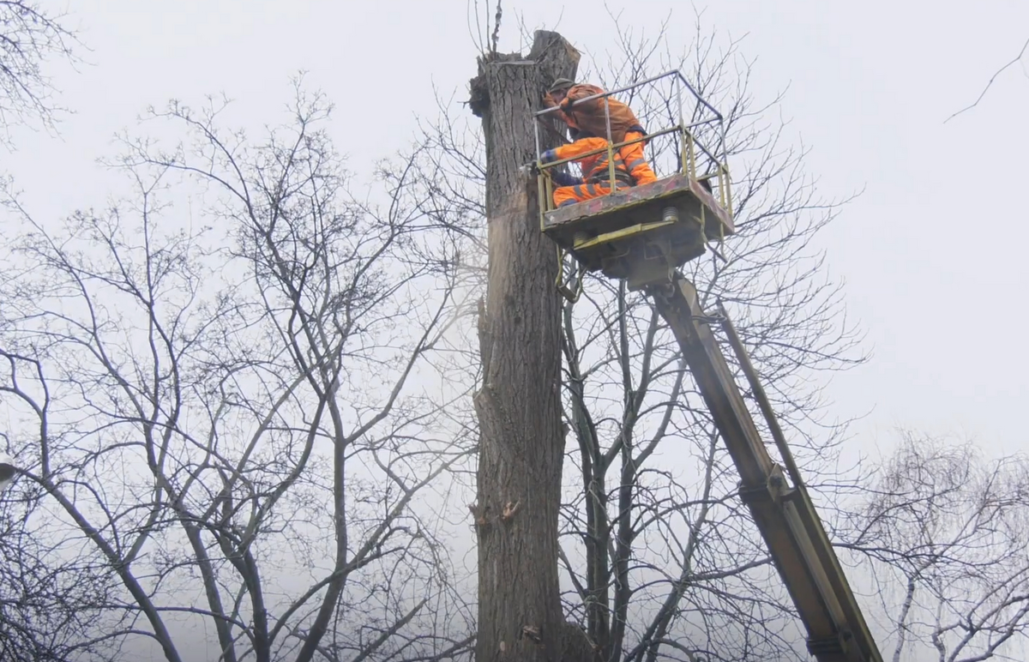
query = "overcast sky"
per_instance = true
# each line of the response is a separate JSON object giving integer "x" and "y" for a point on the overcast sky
{"x": 932, "y": 252}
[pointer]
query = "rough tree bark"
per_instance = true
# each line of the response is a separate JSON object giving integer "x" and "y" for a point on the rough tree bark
{"x": 519, "y": 404}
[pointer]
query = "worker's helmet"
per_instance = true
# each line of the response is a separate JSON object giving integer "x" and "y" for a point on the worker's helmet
{"x": 561, "y": 84}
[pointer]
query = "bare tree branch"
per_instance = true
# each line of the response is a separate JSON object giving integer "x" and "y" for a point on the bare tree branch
{"x": 982, "y": 94}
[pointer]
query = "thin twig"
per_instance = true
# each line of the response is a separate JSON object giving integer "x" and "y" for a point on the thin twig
{"x": 1021, "y": 53}
{"x": 496, "y": 27}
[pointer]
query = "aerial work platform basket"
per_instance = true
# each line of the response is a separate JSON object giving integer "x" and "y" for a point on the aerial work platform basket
{"x": 643, "y": 233}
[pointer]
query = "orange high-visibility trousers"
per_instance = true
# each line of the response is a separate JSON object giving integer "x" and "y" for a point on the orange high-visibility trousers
{"x": 593, "y": 167}
{"x": 629, "y": 158}
{"x": 635, "y": 161}
{"x": 569, "y": 195}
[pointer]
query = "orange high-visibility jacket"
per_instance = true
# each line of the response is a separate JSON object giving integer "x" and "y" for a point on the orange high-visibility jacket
{"x": 594, "y": 167}
{"x": 588, "y": 119}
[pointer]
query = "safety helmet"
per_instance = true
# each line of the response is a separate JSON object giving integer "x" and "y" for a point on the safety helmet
{"x": 561, "y": 84}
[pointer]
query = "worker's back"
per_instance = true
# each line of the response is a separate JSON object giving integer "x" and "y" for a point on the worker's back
{"x": 589, "y": 118}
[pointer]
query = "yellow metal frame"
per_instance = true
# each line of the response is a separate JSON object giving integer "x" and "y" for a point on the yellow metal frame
{"x": 688, "y": 160}
{"x": 624, "y": 233}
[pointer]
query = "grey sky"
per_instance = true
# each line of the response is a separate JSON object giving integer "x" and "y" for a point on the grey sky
{"x": 932, "y": 252}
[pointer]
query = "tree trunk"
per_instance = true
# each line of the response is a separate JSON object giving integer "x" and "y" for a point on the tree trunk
{"x": 519, "y": 404}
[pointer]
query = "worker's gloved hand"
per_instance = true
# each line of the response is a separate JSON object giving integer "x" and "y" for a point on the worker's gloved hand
{"x": 548, "y": 156}
{"x": 566, "y": 105}
{"x": 562, "y": 178}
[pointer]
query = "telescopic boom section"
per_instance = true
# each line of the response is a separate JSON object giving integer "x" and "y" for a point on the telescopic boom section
{"x": 784, "y": 514}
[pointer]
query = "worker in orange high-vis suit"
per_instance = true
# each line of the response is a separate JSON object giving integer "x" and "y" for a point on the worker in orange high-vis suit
{"x": 589, "y": 120}
{"x": 596, "y": 176}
